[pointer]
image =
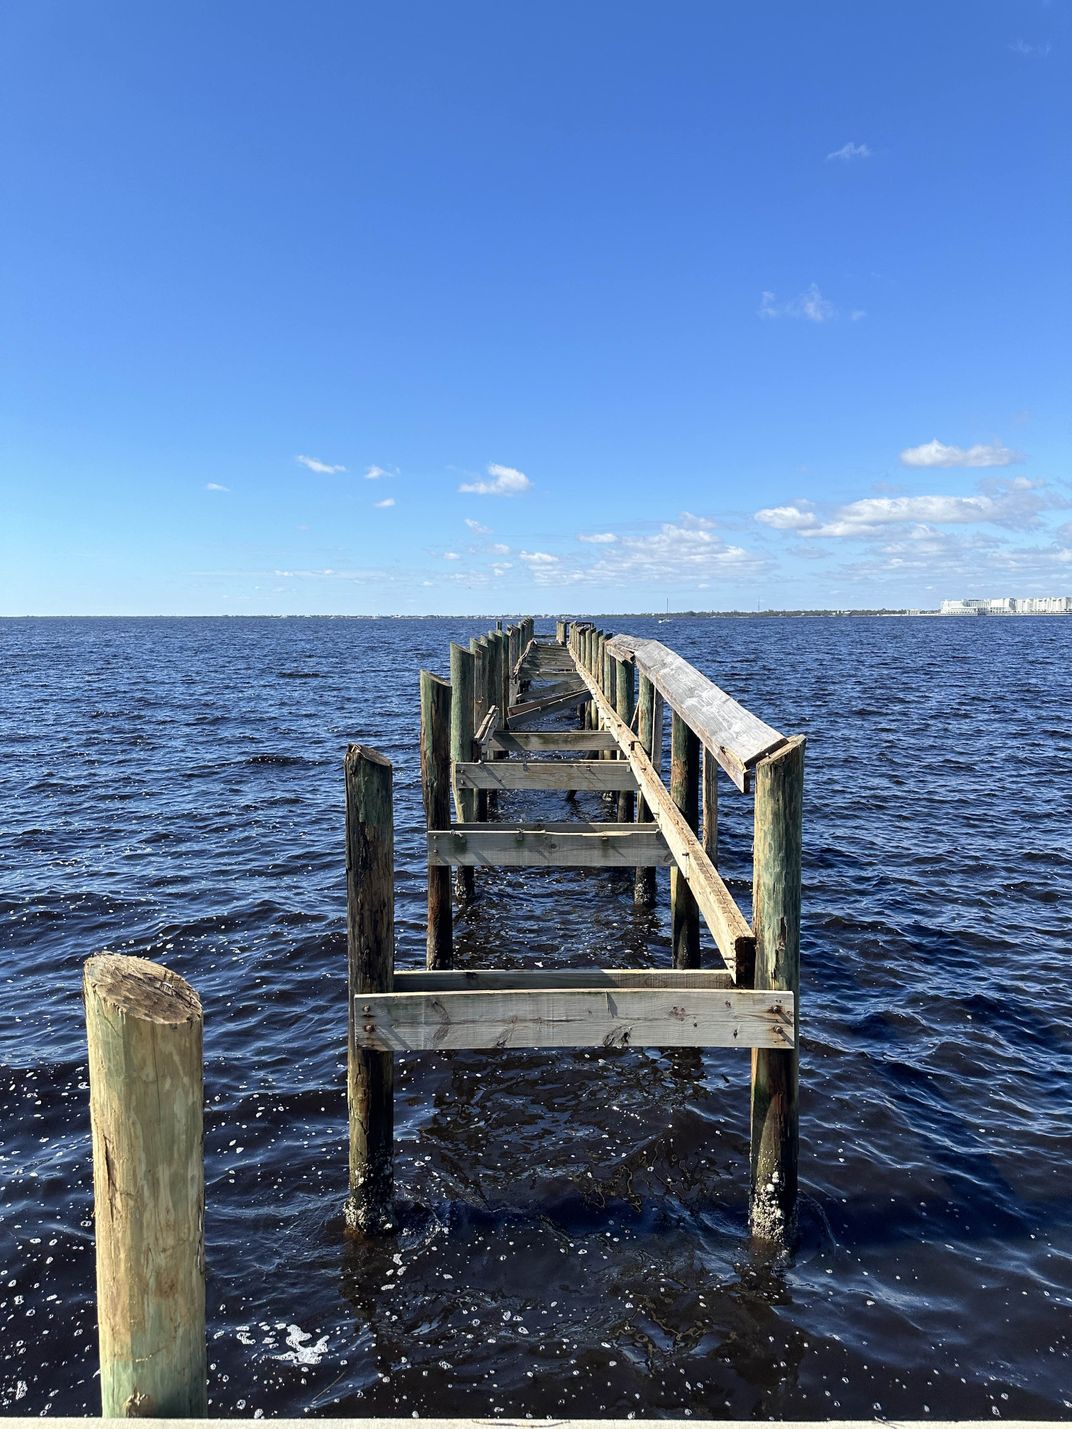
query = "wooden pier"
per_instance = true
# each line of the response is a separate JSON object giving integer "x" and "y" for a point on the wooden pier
{"x": 480, "y": 738}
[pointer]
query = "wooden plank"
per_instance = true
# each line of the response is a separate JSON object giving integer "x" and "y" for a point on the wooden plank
{"x": 534, "y": 979}
{"x": 553, "y": 740}
{"x": 575, "y": 1017}
{"x": 736, "y": 737}
{"x": 500, "y": 846}
{"x": 556, "y": 706}
{"x": 622, "y": 647}
{"x": 488, "y": 726}
{"x": 732, "y": 935}
{"x": 545, "y": 774}
{"x": 543, "y": 696}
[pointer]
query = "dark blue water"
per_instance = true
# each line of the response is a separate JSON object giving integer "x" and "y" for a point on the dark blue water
{"x": 574, "y": 1231}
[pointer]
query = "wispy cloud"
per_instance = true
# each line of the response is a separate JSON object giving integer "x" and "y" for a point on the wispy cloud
{"x": 848, "y": 152}
{"x": 538, "y": 558}
{"x": 215, "y": 486}
{"x": 383, "y": 505}
{"x": 505, "y": 481}
{"x": 685, "y": 552}
{"x": 787, "y": 518}
{"x": 1040, "y": 51}
{"x": 323, "y": 467}
{"x": 809, "y": 305}
{"x": 1017, "y": 504}
{"x": 477, "y": 527}
{"x": 498, "y": 549}
{"x": 374, "y": 473}
{"x": 600, "y": 538}
{"x": 936, "y": 453}
{"x": 451, "y": 556}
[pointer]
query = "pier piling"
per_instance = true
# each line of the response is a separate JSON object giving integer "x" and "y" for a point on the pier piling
{"x": 144, "y": 1028}
{"x": 370, "y": 937}
{"x": 436, "y": 726}
{"x": 776, "y": 921}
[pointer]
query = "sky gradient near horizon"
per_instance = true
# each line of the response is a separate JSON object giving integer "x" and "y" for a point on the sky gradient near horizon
{"x": 491, "y": 308}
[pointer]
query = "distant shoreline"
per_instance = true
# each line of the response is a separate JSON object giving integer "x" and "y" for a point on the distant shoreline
{"x": 554, "y": 615}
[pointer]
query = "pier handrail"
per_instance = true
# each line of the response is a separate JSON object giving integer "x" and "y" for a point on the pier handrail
{"x": 736, "y": 738}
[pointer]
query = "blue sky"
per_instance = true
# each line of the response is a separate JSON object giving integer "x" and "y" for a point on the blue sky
{"x": 712, "y": 304}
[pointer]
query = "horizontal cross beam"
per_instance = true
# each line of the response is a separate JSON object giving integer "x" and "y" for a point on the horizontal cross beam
{"x": 575, "y": 1017}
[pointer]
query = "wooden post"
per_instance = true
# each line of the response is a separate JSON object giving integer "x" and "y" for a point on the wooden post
{"x": 513, "y": 656}
{"x": 370, "y": 939}
{"x": 709, "y": 780}
{"x": 480, "y": 707}
{"x": 462, "y": 729}
{"x": 644, "y": 890}
{"x": 608, "y": 683}
{"x": 684, "y": 790}
{"x": 144, "y": 1026}
{"x": 776, "y": 923}
{"x": 436, "y": 706}
{"x": 624, "y": 705}
{"x": 505, "y": 676}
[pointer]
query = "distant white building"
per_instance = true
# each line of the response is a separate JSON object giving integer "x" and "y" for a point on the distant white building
{"x": 1010, "y": 605}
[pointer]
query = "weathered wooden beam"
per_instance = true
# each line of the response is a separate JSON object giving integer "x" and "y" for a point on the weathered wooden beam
{"x": 735, "y": 736}
{"x": 462, "y": 732}
{"x": 436, "y": 703}
{"x": 555, "y": 706}
{"x": 534, "y": 979}
{"x": 776, "y": 914}
{"x": 552, "y": 740}
{"x": 684, "y": 791}
{"x": 709, "y": 803}
{"x": 648, "y": 705}
{"x": 543, "y": 697}
{"x": 731, "y": 933}
{"x": 624, "y": 706}
{"x": 144, "y": 1027}
{"x": 545, "y": 774}
{"x": 510, "y": 846}
{"x": 575, "y": 1017}
{"x": 370, "y": 941}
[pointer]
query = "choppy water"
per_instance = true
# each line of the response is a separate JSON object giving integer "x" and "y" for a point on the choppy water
{"x": 574, "y": 1229}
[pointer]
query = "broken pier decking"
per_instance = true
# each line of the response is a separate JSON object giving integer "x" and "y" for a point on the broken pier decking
{"x": 478, "y": 741}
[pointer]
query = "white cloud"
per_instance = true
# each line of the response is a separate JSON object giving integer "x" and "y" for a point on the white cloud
{"x": 478, "y": 527}
{"x": 375, "y": 472}
{"x": 850, "y": 151}
{"x": 215, "y": 486}
{"x": 502, "y": 568}
{"x": 600, "y": 538}
{"x": 319, "y": 466}
{"x": 506, "y": 481}
{"x": 809, "y": 305}
{"x": 936, "y": 453}
{"x": 498, "y": 549}
{"x": 382, "y": 505}
{"x": 1021, "y": 47}
{"x": 538, "y": 558}
{"x": 679, "y": 553}
{"x": 867, "y": 517}
{"x": 787, "y": 518}
{"x": 451, "y": 556}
